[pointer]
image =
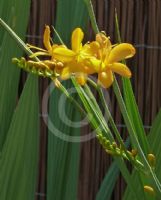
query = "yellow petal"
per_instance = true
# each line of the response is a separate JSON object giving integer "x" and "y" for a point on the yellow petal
{"x": 120, "y": 52}
{"x": 65, "y": 73}
{"x": 63, "y": 54}
{"x": 81, "y": 78}
{"x": 46, "y": 39}
{"x": 105, "y": 79}
{"x": 121, "y": 69}
{"x": 77, "y": 37}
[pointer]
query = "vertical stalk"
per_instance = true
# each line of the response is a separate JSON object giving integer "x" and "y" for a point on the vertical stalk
{"x": 120, "y": 100}
{"x": 92, "y": 15}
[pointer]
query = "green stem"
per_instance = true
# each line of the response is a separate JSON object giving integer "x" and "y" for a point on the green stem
{"x": 72, "y": 100}
{"x": 92, "y": 15}
{"x": 117, "y": 27}
{"x": 92, "y": 110}
{"x": 86, "y": 104}
{"x": 94, "y": 106}
{"x": 20, "y": 43}
{"x": 135, "y": 162}
{"x": 155, "y": 180}
{"x": 58, "y": 36}
{"x": 123, "y": 107}
{"x": 133, "y": 134}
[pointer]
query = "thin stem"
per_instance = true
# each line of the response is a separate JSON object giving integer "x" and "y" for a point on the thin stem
{"x": 123, "y": 107}
{"x": 85, "y": 102}
{"x": 132, "y": 133}
{"x": 92, "y": 15}
{"x": 119, "y": 160}
{"x": 136, "y": 163}
{"x": 94, "y": 106}
{"x": 83, "y": 112}
{"x": 154, "y": 177}
{"x": 58, "y": 36}
{"x": 71, "y": 99}
{"x": 142, "y": 136}
{"x": 20, "y": 43}
{"x": 117, "y": 27}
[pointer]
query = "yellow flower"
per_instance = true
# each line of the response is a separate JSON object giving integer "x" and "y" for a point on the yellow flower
{"x": 76, "y": 58}
{"x": 108, "y": 58}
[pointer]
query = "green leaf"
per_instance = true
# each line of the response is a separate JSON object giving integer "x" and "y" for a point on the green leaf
{"x": 134, "y": 115}
{"x": 154, "y": 141}
{"x": 64, "y": 156}
{"x": 136, "y": 181}
{"x": 9, "y": 75}
{"x": 131, "y": 104}
{"x": 70, "y": 14}
{"x": 108, "y": 183}
{"x": 19, "y": 157}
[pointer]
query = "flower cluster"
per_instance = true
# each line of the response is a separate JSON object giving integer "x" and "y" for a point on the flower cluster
{"x": 96, "y": 57}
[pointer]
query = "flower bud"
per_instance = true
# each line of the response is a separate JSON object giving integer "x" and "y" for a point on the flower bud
{"x": 57, "y": 82}
{"x": 134, "y": 152}
{"x": 149, "y": 190}
{"x": 151, "y": 159}
{"x": 114, "y": 145}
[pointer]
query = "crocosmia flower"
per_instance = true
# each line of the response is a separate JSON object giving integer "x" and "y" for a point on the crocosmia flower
{"x": 108, "y": 59}
{"x": 75, "y": 59}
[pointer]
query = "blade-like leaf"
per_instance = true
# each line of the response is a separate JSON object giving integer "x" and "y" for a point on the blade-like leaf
{"x": 136, "y": 122}
{"x": 154, "y": 140}
{"x": 108, "y": 183}
{"x": 19, "y": 157}
{"x": 63, "y": 156}
{"x": 9, "y": 75}
{"x": 135, "y": 115}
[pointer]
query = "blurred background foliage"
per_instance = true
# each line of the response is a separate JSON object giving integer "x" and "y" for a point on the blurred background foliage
{"x": 34, "y": 164}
